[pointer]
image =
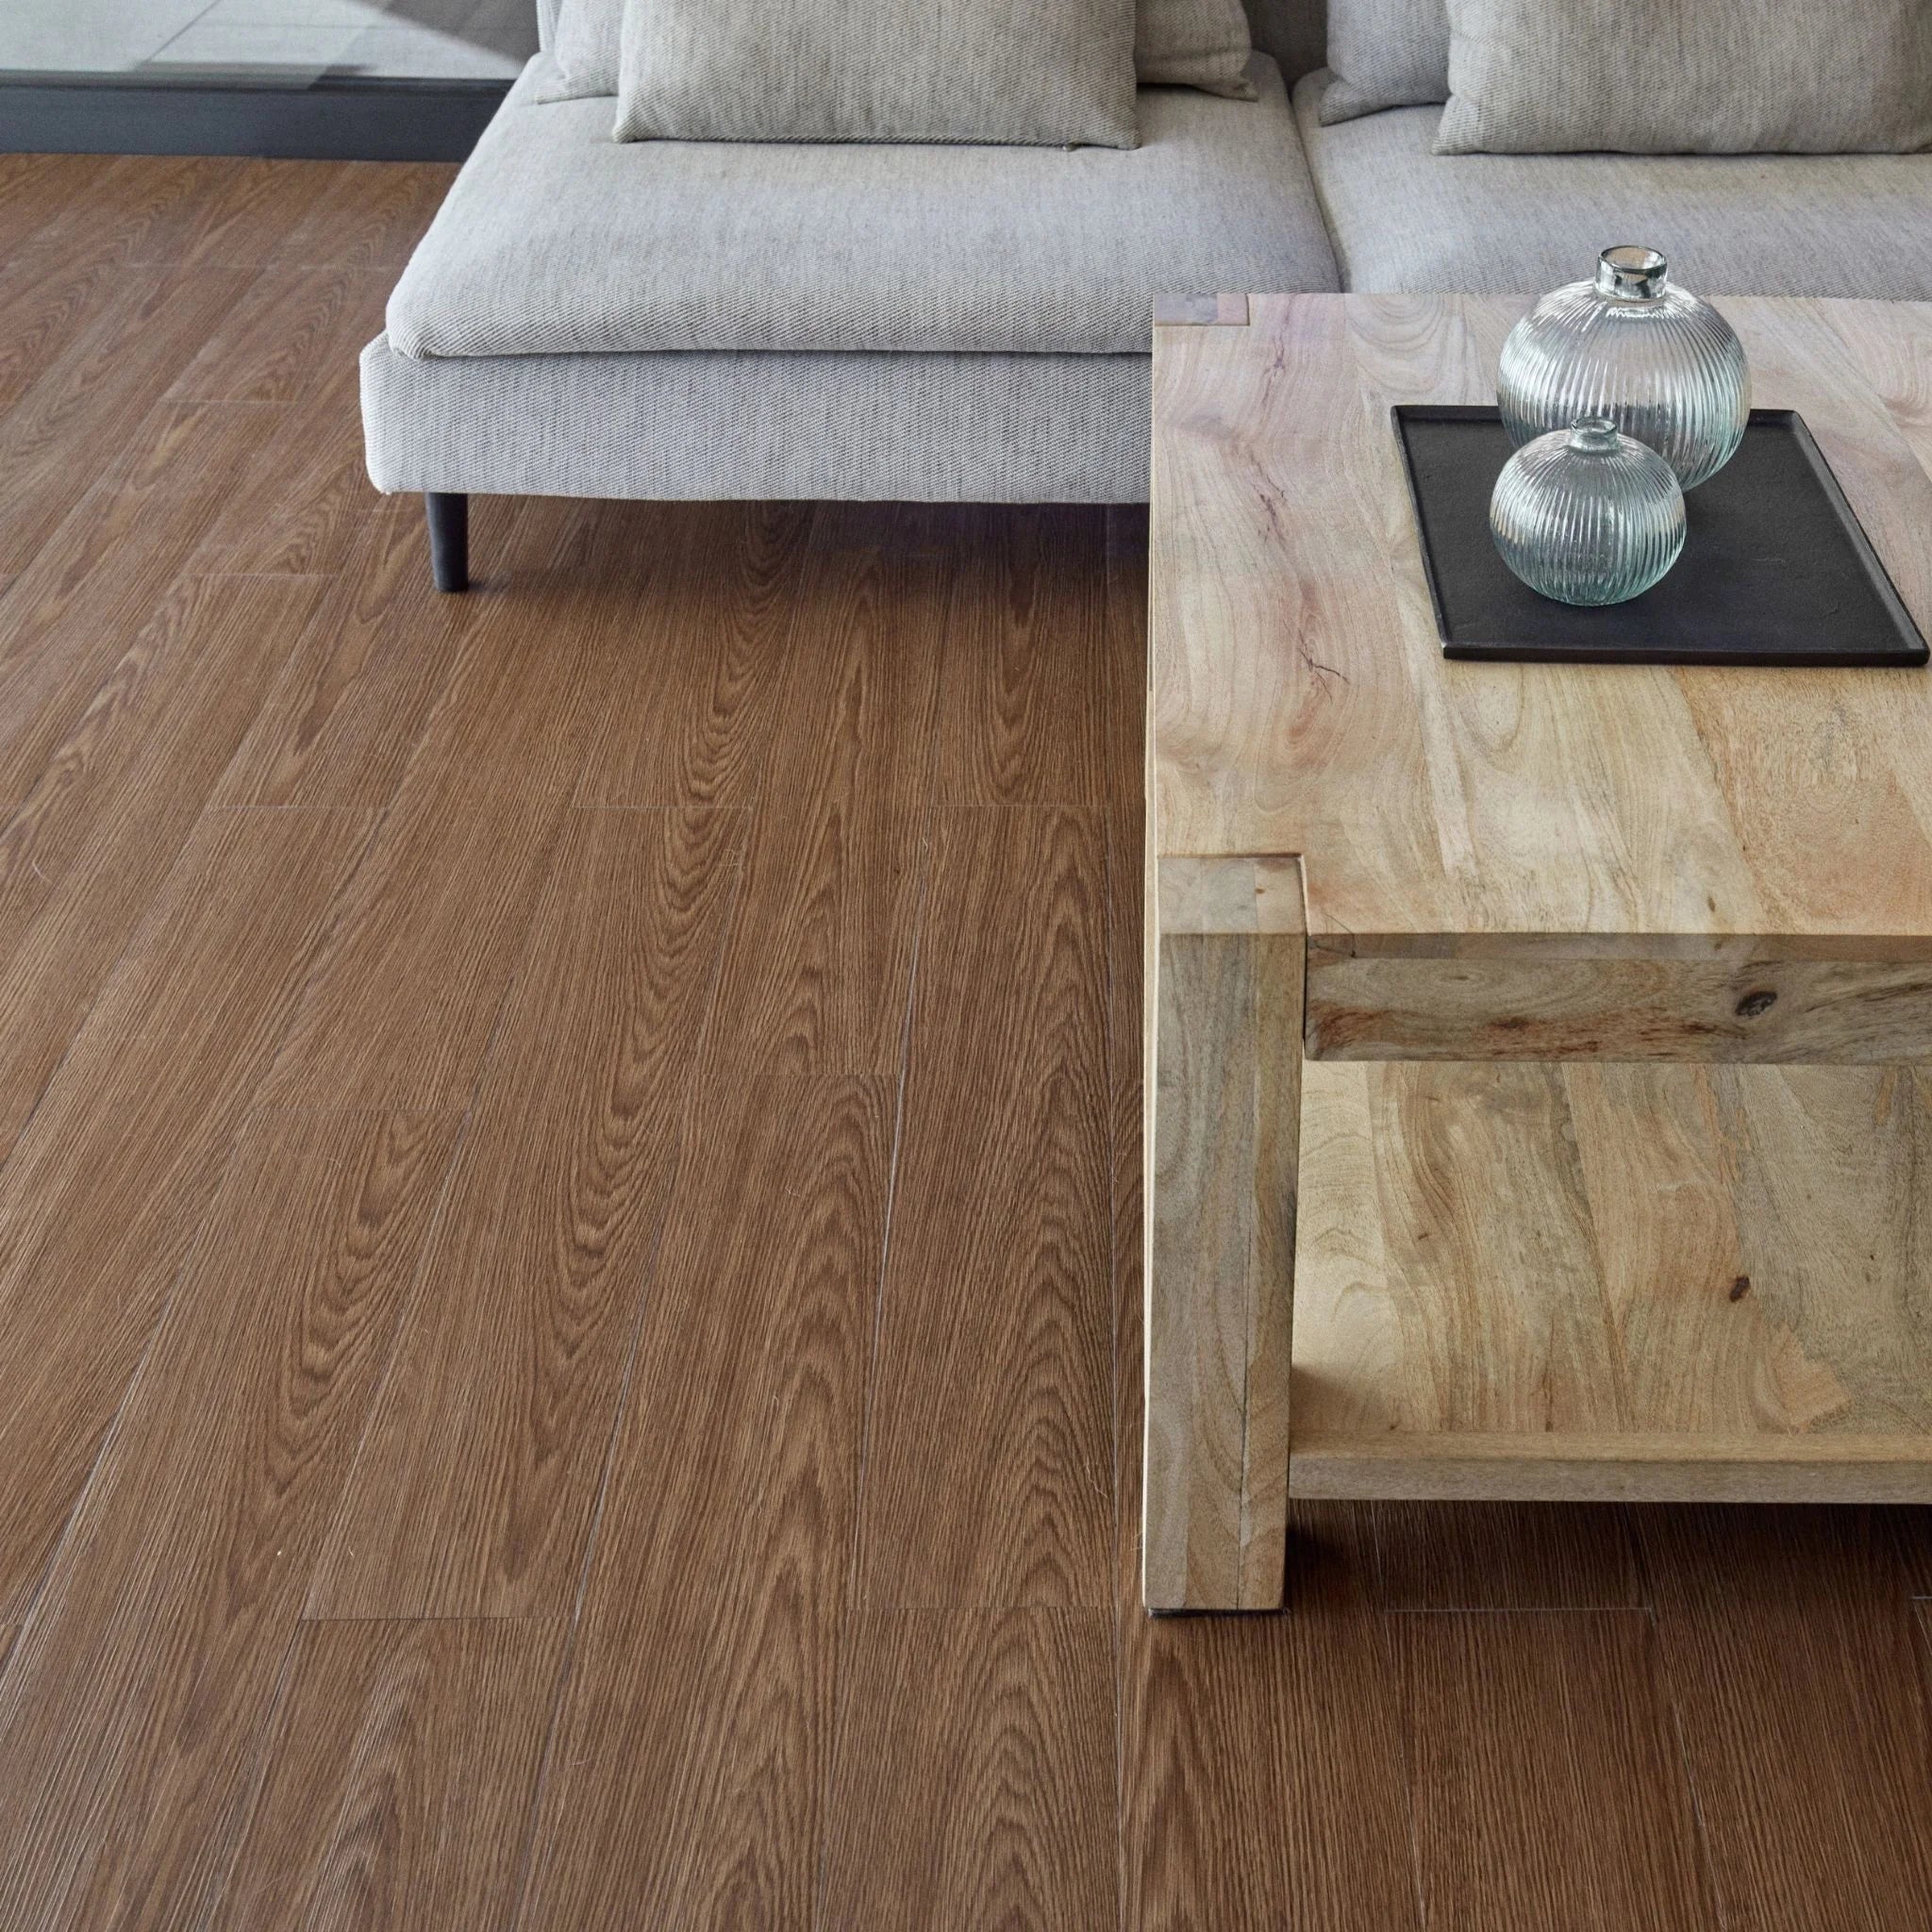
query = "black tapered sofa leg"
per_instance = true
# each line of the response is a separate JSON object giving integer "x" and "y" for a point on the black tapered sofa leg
{"x": 449, "y": 539}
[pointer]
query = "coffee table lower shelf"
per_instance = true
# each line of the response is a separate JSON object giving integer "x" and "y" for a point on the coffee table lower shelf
{"x": 1593, "y": 1279}
{"x": 1575, "y": 1280}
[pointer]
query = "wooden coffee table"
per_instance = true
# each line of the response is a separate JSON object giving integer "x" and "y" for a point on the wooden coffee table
{"x": 1532, "y": 1099}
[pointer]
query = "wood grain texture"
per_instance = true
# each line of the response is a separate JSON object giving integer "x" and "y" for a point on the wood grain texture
{"x": 700, "y": 678}
{"x": 1261, "y": 1758}
{"x": 150, "y": 1666}
{"x": 693, "y": 1765}
{"x": 975, "y": 1775}
{"x": 1302, "y": 705}
{"x": 405, "y": 997}
{"x": 89, "y": 591}
{"x": 1229, "y": 895}
{"x": 357, "y": 692}
{"x": 308, "y": 495}
{"x": 366, "y": 214}
{"x": 88, "y": 848}
{"x": 474, "y": 1490}
{"x": 987, "y": 1479}
{"x": 1528, "y": 1280}
{"x": 215, "y": 212}
{"x": 1544, "y": 1775}
{"x": 291, "y": 337}
{"x": 102, "y": 1196}
{"x": 37, "y": 192}
{"x": 1593, "y": 1004}
{"x": 403, "y": 1004}
{"x": 1505, "y": 1557}
{"x": 1226, "y": 311}
{"x": 832, "y": 866}
{"x": 399, "y": 1777}
{"x": 1014, "y": 728}
{"x": 1221, "y": 1266}
{"x": 1801, "y": 1697}
{"x": 74, "y": 418}
{"x": 43, "y": 303}
{"x": 1125, "y": 659}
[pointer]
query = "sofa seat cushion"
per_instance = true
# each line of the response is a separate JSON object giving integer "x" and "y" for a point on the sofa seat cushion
{"x": 556, "y": 239}
{"x": 1405, "y": 219}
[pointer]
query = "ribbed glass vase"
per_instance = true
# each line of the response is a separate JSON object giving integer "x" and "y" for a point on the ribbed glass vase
{"x": 1664, "y": 367}
{"x": 1588, "y": 516}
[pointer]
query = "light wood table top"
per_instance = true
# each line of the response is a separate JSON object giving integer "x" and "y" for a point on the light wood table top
{"x": 1302, "y": 704}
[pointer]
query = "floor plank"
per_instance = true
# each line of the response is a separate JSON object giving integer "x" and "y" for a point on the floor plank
{"x": 88, "y": 848}
{"x": 1126, "y": 661}
{"x": 692, "y": 1762}
{"x": 405, "y": 1001}
{"x": 225, "y": 212}
{"x": 691, "y": 719}
{"x": 1792, "y": 1660}
{"x": 43, "y": 305}
{"x": 139, "y": 1697}
{"x": 358, "y": 691}
{"x": 1545, "y": 1779}
{"x": 71, "y": 614}
{"x": 1262, "y": 1778}
{"x": 1504, "y": 1557}
{"x": 973, "y": 1783}
{"x": 102, "y": 1196}
{"x": 989, "y": 1477}
{"x": 817, "y": 983}
{"x": 304, "y": 500}
{"x": 1019, "y": 723}
{"x": 42, "y": 192}
{"x": 367, "y": 215}
{"x": 291, "y": 337}
{"x": 400, "y": 1773}
{"x": 74, "y": 420}
{"x": 474, "y": 1491}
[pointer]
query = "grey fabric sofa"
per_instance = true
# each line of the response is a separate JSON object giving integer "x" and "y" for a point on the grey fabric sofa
{"x": 715, "y": 320}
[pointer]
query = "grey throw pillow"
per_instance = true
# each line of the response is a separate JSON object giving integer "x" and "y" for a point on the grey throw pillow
{"x": 584, "y": 51}
{"x": 1034, "y": 72}
{"x": 1384, "y": 54}
{"x": 1688, "y": 76}
{"x": 1200, "y": 43}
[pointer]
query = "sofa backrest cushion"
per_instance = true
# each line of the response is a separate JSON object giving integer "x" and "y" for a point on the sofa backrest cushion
{"x": 1688, "y": 76}
{"x": 1028, "y": 73}
{"x": 1200, "y": 43}
{"x": 1384, "y": 54}
{"x": 1186, "y": 42}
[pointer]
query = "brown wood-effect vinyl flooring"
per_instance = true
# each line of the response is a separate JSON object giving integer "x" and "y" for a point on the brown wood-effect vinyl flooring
{"x": 570, "y": 1239}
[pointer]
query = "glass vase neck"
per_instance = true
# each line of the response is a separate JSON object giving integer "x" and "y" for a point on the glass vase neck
{"x": 1631, "y": 275}
{"x": 1595, "y": 436}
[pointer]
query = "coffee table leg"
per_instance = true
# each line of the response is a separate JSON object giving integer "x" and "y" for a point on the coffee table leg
{"x": 1225, "y": 1088}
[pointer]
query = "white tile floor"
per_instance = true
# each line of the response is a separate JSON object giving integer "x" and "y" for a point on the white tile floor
{"x": 294, "y": 42}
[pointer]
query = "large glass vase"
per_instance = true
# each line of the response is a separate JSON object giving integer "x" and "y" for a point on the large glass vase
{"x": 1665, "y": 368}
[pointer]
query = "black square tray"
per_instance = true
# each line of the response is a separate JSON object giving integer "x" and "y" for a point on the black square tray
{"x": 1775, "y": 570}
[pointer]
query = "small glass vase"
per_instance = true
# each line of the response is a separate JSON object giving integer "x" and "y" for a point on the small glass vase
{"x": 1664, "y": 367}
{"x": 1588, "y": 516}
